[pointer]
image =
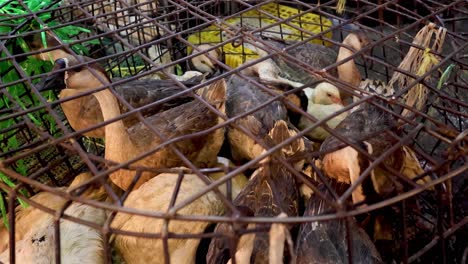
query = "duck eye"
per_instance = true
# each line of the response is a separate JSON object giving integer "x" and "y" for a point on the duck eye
{"x": 329, "y": 95}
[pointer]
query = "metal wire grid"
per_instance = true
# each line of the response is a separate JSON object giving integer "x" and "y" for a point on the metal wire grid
{"x": 437, "y": 141}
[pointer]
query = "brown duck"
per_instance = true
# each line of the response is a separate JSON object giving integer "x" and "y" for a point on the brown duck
{"x": 123, "y": 144}
{"x": 84, "y": 112}
{"x": 155, "y": 195}
{"x": 270, "y": 191}
{"x": 373, "y": 129}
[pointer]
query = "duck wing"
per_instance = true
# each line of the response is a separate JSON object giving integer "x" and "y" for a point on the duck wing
{"x": 368, "y": 122}
{"x": 186, "y": 119}
{"x": 271, "y": 190}
{"x": 314, "y": 55}
{"x": 142, "y": 92}
{"x": 242, "y": 96}
{"x": 139, "y": 93}
{"x": 325, "y": 241}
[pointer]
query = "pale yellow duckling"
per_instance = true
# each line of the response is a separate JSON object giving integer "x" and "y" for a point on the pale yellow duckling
{"x": 155, "y": 196}
{"x": 323, "y": 101}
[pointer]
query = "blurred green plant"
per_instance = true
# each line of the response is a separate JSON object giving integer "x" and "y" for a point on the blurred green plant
{"x": 16, "y": 20}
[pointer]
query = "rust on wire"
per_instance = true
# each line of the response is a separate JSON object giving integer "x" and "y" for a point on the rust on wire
{"x": 410, "y": 188}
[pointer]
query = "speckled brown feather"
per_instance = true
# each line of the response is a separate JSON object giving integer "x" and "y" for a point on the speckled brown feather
{"x": 271, "y": 190}
{"x": 243, "y": 96}
{"x": 182, "y": 120}
{"x": 325, "y": 242}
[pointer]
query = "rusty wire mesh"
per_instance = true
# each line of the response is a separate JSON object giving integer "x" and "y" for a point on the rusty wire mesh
{"x": 137, "y": 39}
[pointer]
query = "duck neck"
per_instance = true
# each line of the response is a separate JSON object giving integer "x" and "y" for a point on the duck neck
{"x": 310, "y": 94}
{"x": 116, "y": 137}
{"x": 69, "y": 108}
{"x": 348, "y": 71}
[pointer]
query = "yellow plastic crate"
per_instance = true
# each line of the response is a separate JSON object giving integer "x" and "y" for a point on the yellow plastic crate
{"x": 253, "y": 19}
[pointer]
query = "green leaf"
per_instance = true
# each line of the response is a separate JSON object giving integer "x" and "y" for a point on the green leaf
{"x": 445, "y": 76}
{"x": 22, "y": 44}
{"x": 5, "y": 29}
{"x": 32, "y": 66}
{"x": 6, "y": 180}
{"x": 3, "y": 211}
{"x": 21, "y": 167}
{"x": 33, "y": 5}
{"x": 23, "y": 203}
{"x": 45, "y": 16}
{"x": 12, "y": 143}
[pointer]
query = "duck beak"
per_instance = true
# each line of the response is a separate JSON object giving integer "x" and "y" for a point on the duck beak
{"x": 337, "y": 100}
{"x": 55, "y": 80}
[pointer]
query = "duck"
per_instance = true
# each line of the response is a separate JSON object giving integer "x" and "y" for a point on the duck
{"x": 315, "y": 55}
{"x": 242, "y": 96}
{"x": 271, "y": 191}
{"x": 266, "y": 70}
{"x": 35, "y": 231}
{"x": 371, "y": 128}
{"x": 323, "y": 100}
{"x": 84, "y": 112}
{"x": 349, "y": 72}
{"x": 123, "y": 144}
{"x": 325, "y": 242}
{"x": 205, "y": 62}
{"x": 320, "y": 57}
{"x": 155, "y": 195}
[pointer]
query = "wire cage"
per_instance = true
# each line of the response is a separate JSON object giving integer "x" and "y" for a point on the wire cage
{"x": 215, "y": 147}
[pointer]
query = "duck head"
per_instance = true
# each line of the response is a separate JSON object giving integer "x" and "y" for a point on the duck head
{"x": 324, "y": 93}
{"x": 356, "y": 40}
{"x": 69, "y": 72}
{"x": 205, "y": 64}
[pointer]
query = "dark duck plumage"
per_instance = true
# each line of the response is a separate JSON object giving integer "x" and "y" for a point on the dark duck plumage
{"x": 325, "y": 242}
{"x": 315, "y": 55}
{"x": 271, "y": 190}
{"x": 243, "y": 96}
{"x": 374, "y": 130}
